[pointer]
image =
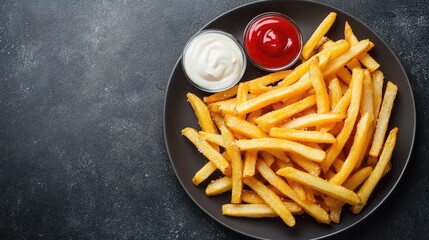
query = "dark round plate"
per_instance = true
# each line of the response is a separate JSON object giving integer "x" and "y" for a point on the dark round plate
{"x": 187, "y": 161}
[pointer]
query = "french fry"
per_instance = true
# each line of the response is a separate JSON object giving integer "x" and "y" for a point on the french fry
{"x": 316, "y": 119}
{"x": 297, "y": 188}
{"x": 309, "y": 166}
{"x": 253, "y": 210}
{"x": 253, "y": 115}
{"x": 259, "y": 85}
{"x": 318, "y": 34}
{"x": 262, "y": 144}
{"x": 236, "y": 164}
{"x": 204, "y": 173}
{"x": 250, "y": 158}
{"x": 344, "y": 75}
{"x": 378, "y": 79}
{"x": 383, "y": 118}
{"x": 368, "y": 186}
{"x": 302, "y": 135}
{"x": 212, "y": 137}
{"x": 207, "y": 150}
{"x": 316, "y": 77}
{"x": 273, "y": 200}
{"x": 367, "y": 104}
{"x": 335, "y": 93}
{"x": 363, "y": 128}
{"x": 202, "y": 113}
{"x": 224, "y": 106}
{"x": 312, "y": 209}
{"x": 217, "y": 119}
{"x": 243, "y": 127}
{"x": 242, "y": 92}
{"x": 349, "y": 123}
{"x": 268, "y": 158}
{"x": 249, "y": 196}
{"x": 321, "y": 185}
{"x": 342, "y": 60}
{"x": 219, "y": 186}
{"x": 272, "y": 118}
{"x": 273, "y": 96}
{"x": 354, "y": 63}
{"x": 220, "y": 96}
{"x": 256, "y": 210}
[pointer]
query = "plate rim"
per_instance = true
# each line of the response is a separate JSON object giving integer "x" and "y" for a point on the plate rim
{"x": 408, "y": 84}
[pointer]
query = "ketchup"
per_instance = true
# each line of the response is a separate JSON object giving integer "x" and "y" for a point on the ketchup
{"x": 273, "y": 41}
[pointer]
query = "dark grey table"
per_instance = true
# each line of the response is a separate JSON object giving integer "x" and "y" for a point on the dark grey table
{"x": 82, "y": 153}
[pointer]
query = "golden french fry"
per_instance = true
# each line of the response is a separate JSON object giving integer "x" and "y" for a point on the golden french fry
{"x": 311, "y": 167}
{"x": 217, "y": 119}
{"x": 253, "y": 115}
{"x": 355, "y": 180}
{"x": 370, "y": 63}
{"x": 220, "y": 96}
{"x": 268, "y": 158}
{"x": 383, "y": 118}
{"x": 250, "y": 158}
{"x": 249, "y": 196}
{"x": 243, "y": 127}
{"x": 315, "y": 119}
{"x": 349, "y": 123}
{"x": 316, "y": 77}
{"x": 367, "y": 102}
{"x": 256, "y": 210}
{"x": 368, "y": 186}
{"x": 363, "y": 128}
{"x": 204, "y": 173}
{"x": 335, "y": 93}
{"x": 297, "y": 188}
{"x": 252, "y": 210}
{"x": 302, "y": 135}
{"x": 202, "y": 113}
{"x": 242, "y": 92}
{"x": 344, "y": 75}
{"x": 318, "y": 34}
{"x": 207, "y": 150}
{"x": 224, "y": 106}
{"x": 219, "y": 186}
{"x": 259, "y": 85}
{"x": 272, "y": 199}
{"x": 354, "y": 63}
{"x": 273, "y": 96}
{"x": 272, "y": 118}
{"x": 212, "y": 137}
{"x": 378, "y": 79}
{"x": 262, "y": 144}
{"x": 312, "y": 209}
{"x": 236, "y": 164}
{"x": 321, "y": 185}
{"x": 342, "y": 60}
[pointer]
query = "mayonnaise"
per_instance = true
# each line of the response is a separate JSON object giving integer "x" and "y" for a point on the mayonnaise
{"x": 213, "y": 61}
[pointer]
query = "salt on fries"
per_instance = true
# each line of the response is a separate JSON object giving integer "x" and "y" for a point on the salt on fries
{"x": 310, "y": 139}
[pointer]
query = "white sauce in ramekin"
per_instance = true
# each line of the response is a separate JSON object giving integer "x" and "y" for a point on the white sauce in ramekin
{"x": 213, "y": 61}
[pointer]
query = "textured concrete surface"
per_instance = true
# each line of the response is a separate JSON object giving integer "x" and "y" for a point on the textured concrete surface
{"x": 82, "y": 153}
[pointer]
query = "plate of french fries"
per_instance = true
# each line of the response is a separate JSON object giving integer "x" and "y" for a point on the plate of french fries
{"x": 301, "y": 153}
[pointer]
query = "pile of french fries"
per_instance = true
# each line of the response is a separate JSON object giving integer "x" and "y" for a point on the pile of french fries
{"x": 312, "y": 139}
